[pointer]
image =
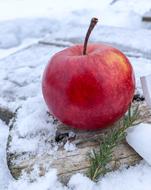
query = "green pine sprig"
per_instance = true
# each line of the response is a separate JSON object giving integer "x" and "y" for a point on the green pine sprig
{"x": 100, "y": 159}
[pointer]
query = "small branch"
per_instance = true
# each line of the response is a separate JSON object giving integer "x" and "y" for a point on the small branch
{"x": 99, "y": 160}
{"x": 91, "y": 26}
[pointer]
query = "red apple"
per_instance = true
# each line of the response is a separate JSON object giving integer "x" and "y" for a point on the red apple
{"x": 88, "y": 87}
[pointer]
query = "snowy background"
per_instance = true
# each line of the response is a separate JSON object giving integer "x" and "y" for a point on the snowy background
{"x": 25, "y": 22}
{"x": 22, "y": 22}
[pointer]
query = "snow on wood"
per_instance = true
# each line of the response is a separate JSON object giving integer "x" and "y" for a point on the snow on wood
{"x": 66, "y": 161}
{"x": 69, "y": 162}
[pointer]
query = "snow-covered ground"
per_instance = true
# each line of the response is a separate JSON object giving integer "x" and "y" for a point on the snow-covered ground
{"x": 24, "y": 22}
{"x": 135, "y": 178}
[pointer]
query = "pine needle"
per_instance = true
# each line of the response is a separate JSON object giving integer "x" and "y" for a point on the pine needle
{"x": 100, "y": 159}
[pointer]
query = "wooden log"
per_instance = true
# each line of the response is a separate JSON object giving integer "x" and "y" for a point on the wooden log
{"x": 68, "y": 163}
{"x": 147, "y": 17}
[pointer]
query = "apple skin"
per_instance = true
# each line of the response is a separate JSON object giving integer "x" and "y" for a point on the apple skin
{"x": 89, "y": 91}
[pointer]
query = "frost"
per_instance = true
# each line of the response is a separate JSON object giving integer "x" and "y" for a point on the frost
{"x": 69, "y": 146}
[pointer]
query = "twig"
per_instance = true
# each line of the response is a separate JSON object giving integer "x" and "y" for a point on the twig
{"x": 99, "y": 160}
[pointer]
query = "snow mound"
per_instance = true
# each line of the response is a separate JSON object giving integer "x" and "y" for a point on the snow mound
{"x": 133, "y": 178}
{"x": 13, "y": 33}
{"x": 139, "y": 138}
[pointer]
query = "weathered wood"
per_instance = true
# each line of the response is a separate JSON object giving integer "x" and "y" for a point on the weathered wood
{"x": 147, "y": 17}
{"x": 6, "y": 115}
{"x": 69, "y": 162}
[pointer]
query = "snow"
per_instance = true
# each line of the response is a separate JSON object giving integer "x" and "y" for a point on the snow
{"x": 109, "y": 34}
{"x": 139, "y": 138}
{"x": 21, "y": 22}
{"x": 12, "y": 9}
{"x": 12, "y": 34}
{"x": 20, "y": 33}
{"x": 49, "y": 182}
{"x": 22, "y": 79}
{"x": 24, "y": 22}
{"x": 134, "y": 178}
{"x": 27, "y": 42}
{"x": 69, "y": 146}
{"x": 79, "y": 181}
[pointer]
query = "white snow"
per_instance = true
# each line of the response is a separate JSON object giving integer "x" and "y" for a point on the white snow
{"x": 27, "y": 42}
{"x": 12, "y": 33}
{"x": 19, "y": 33}
{"x": 134, "y": 178}
{"x": 12, "y": 9}
{"x": 49, "y": 182}
{"x": 138, "y": 40}
{"x": 69, "y": 146}
{"x": 139, "y": 138}
{"x": 24, "y": 22}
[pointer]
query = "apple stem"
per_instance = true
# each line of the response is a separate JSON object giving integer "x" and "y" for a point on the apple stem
{"x": 91, "y": 26}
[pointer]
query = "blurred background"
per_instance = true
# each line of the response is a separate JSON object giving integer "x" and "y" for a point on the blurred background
{"x": 23, "y": 22}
